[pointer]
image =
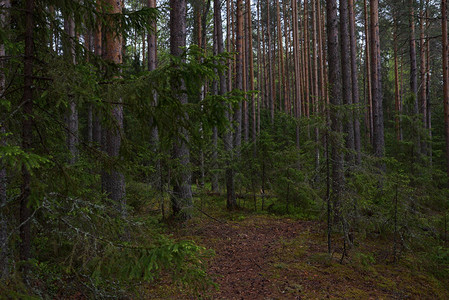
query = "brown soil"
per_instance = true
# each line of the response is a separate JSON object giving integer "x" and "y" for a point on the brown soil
{"x": 262, "y": 257}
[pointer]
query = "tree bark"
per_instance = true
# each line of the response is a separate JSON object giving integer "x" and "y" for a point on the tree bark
{"x": 376, "y": 89}
{"x": 346, "y": 80}
{"x": 182, "y": 192}
{"x": 413, "y": 74}
{"x": 4, "y": 266}
{"x": 113, "y": 180}
{"x": 297, "y": 102}
{"x": 335, "y": 100}
{"x": 355, "y": 83}
{"x": 445, "y": 57}
{"x": 369, "y": 95}
{"x": 27, "y": 136}
{"x": 239, "y": 76}
{"x": 72, "y": 117}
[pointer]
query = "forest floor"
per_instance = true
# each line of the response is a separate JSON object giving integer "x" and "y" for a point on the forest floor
{"x": 269, "y": 257}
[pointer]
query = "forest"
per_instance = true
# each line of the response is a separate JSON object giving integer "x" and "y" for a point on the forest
{"x": 224, "y": 149}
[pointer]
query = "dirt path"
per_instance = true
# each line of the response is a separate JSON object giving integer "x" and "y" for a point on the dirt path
{"x": 260, "y": 257}
{"x": 244, "y": 254}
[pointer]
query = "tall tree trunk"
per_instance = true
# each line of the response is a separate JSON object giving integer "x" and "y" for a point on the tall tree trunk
{"x": 4, "y": 266}
{"x": 297, "y": 102}
{"x": 239, "y": 76}
{"x": 287, "y": 91}
{"x": 96, "y": 126}
{"x": 222, "y": 89}
{"x": 396, "y": 82}
{"x": 152, "y": 65}
{"x": 27, "y": 136}
{"x": 412, "y": 44}
{"x": 260, "y": 67}
{"x": 355, "y": 83}
{"x": 245, "y": 112}
{"x": 422, "y": 69}
{"x": 376, "y": 89}
{"x": 445, "y": 57}
{"x": 251, "y": 71}
{"x": 271, "y": 95}
{"x": 182, "y": 192}
{"x": 346, "y": 79}
{"x": 369, "y": 95}
{"x": 72, "y": 118}
{"x": 335, "y": 100}
{"x": 113, "y": 180}
{"x": 429, "y": 111}
{"x": 315, "y": 97}
{"x": 281, "y": 78}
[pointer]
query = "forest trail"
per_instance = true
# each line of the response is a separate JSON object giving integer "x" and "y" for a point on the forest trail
{"x": 262, "y": 257}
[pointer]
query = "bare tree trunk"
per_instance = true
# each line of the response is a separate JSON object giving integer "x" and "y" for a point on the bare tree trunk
{"x": 315, "y": 96}
{"x": 396, "y": 83}
{"x": 4, "y": 266}
{"x": 423, "y": 75}
{"x": 346, "y": 79}
{"x": 222, "y": 89}
{"x": 113, "y": 180}
{"x": 429, "y": 112}
{"x": 355, "y": 83}
{"x": 182, "y": 192}
{"x": 72, "y": 118}
{"x": 96, "y": 126}
{"x": 297, "y": 102}
{"x": 239, "y": 76}
{"x": 27, "y": 136}
{"x": 287, "y": 91}
{"x": 272, "y": 95}
{"x": 251, "y": 71}
{"x": 260, "y": 67}
{"x": 378, "y": 120}
{"x": 245, "y": 53}
{"x": 281, "y": 78}
{"x": 445, "y": 57}
{"x": 413, "y": 75}
{"x": 368, "y": 75}
{"x": 335, "y": 100}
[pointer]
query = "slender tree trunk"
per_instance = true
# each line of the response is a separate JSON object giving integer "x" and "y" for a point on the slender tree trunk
{"x": 287, "y": 91}
{"x": 251, "y": 71}
{"x": 306, "y": 62}
{"x": 72, "y": 118}
{"x": 96, "y": 126}
{"x": 260, "y": 67}
{"x": 182, "y": 192}
{"x": 297, "y": 71}
{"x": 445, "y": 57}
{"x": 335, "y": 100}
{"x": 413, "y": 74}
{"x": 396, "y": 82}
{"x": 4, "y": 266}
{"x": 368, "y": 75}
{"x": 27, "y": 136}
{"x": 222, "y": 89}
{"x": 239, "y": 76}
{"x": 429, "y": 112}
{"x": 281, "y": 78}
{"x": 346, "y": 79}
{"x": 355, "y": 83}
{"x": 272, "y": 95}
{"x": 315, "y": 96}
{"x": 376, "y": 90}
{"x": 245, "y": 52}
{"x": 423, "y": 75}
{"x": 113, "y": 180}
